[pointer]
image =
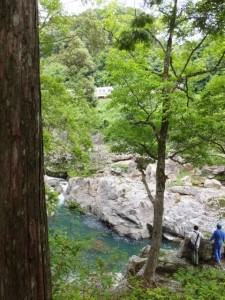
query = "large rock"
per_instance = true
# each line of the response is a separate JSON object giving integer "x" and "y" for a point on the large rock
{"x": 168, "y": 262}
{"x": 214, "y": 170}
{"x": 196, "y": 206}
{"x": 58, "y": 184}
{"x": 212, "y": 183}
{"x": 171, "y": 171}
{"x": 205, "y": 250}
{"x": 118, "y": 197}
{"x": 135, "y": 264}
{"x": 120, "y": 202}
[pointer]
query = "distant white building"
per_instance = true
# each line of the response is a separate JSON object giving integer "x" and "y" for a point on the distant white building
{"x": 103, "y": 92}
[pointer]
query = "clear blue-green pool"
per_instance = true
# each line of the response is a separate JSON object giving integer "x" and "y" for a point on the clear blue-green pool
{"x": 84, "y": 226}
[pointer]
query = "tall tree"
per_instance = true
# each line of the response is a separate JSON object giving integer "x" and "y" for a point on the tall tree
{"x": 24, "y": 264}
{"x": 155, "y": 87}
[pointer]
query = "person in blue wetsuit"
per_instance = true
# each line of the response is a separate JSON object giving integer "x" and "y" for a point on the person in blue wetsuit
{"x": 218, "y": 237}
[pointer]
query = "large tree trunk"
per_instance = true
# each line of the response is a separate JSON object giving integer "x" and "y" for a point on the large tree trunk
{"x": 24, "y": 262}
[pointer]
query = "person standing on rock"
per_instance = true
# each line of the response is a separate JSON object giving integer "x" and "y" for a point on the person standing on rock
{"x": 218, "y": 237}
{"x": 195, "y": 237}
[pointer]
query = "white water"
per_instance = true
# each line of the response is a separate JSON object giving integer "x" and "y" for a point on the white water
{"x": 64, "y": 185}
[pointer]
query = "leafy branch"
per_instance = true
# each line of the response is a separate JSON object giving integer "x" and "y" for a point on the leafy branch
{"x": 191, "y": 54}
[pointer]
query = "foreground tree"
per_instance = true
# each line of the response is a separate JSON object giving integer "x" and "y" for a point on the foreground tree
{"x": 24, "y": 264}
{"x": 156, "y": 89}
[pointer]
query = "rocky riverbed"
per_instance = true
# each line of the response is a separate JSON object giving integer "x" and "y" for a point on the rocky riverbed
{"x": 117, "y": 196}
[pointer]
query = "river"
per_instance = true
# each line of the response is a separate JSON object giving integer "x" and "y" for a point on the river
{"x": 82, "y": 226}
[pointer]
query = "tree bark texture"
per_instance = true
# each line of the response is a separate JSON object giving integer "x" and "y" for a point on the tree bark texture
{"x": 24, "y": 262}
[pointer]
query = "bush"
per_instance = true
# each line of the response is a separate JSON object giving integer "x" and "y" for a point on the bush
{"x": 192, "y": 284}
{"x": 52, "y": 200}
{"x": 75, "y": 206}
{"x": 78, "y": 272}
{"x": 202, "y": 284}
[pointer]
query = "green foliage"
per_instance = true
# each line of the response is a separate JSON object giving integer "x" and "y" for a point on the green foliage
{"x": 67, "y": 89}
{"x": 84, "y": 170}
{"x": 139, "y": 32}
{"x": 137, "y": 291}
{"x": 121, "y": 166}
{"x": 79, "y": 67}
{"x": 52, "y": 25}
{"x": 203, "y": 126}
{"x": 210, "y": 15}
{"x": 75, "y": 57}
{"x": 75, "y": 206}
{"x": 66, "y": 120}
{"x": 158, "y": 104}
{"x": 108, "y": 25}
{"x": 131, "y": 102}
{"x": 193, "y": 90}
{"x": 195, "y": 284}
{"x": 201, "y": 284}
{"x": 207, "y": 235}
{"x": 153, "y": 2}
{"x": 52, "y": 200}
{"x": 139, "y": 93}
{"x": 89, "y": 29}
{"x": 75, "y": 277}
{"x": 180, "y": 176}
{"x": 116, "y": 19}
{"x": 128, "y": 39}
{"x": 64, "y": 252}
{"x": 50, "y": 6}
{"x": 142, "y": 20}
{"x": 47, "y": 139}
{"x": 221, "y": 202}
{"x": 101, "y": 75}
{"x": 75, "y": 50}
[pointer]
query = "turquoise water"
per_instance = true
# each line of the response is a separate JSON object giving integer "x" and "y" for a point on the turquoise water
{"x": 84, "y": 226}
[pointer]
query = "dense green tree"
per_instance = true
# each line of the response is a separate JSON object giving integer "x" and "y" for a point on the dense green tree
{"x": 75, "y": 56}
{"x": 170, "y": 51}
{"x": 67, "y": 92}
{"x": 67, "y": 120}
{"x": 88, "y": 27}
{"x": 53, "y": 26}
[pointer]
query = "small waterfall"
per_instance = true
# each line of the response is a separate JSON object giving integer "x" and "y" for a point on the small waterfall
{"x": 63, "y": 185}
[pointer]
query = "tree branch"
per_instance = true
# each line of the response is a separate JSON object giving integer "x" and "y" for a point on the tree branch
{"x": 186, "y": 91}
{"x": 172, "y": 68}
{"x": 202, "y": 72}
{"x": 43, "y": 23}
{"x": 148, "y": 152}
{"x": 192, "y": 52}
{"x": 157, "y": 40}
{"x": 151, "y": 124}
{"x": 183, "y": 150}
{"x": 152, "y": 199}
{"x": 147, "y": 122}
{"x": 213, "y": 142}
{"x": 219, "y": 61}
